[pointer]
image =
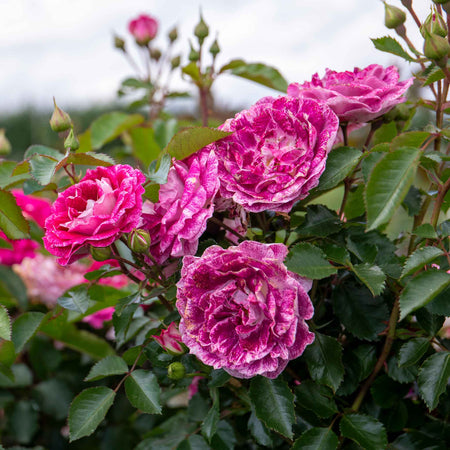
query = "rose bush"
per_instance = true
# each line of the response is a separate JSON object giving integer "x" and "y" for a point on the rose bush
{"x": 96, "y": 211}
{"x": 242, "y": 310}
{"x": 276, "y": 153}
{"x": 358, "y": 96}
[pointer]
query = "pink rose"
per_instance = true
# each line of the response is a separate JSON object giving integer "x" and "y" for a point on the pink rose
{"x": 170, "y": 340}
{"x": 143, "y": 29}
{"x": 97, "y": 319}
{"x": 185, "y": 204}
{"x": 96, "y": 211}
{"x": 276, "y": 154}
{"x": 242, "y": 310}
{"x": 21, "y": 248}
{"x": 357, "y": 96}
{"x": 34, "y": 208}
{"x": 46, "y": 280}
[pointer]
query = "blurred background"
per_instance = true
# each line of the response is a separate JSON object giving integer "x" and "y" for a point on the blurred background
{"x": 64, "y": 48}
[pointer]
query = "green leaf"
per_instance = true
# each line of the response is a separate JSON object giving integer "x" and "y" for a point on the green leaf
{"x": 78, "y": 340}
{"x": 259, "y": 431}
{"x": 209, "y": 425}
{"x": 194, "y": 442}
{"x": 24, "y": 328}
{"x": 421, "y": 290}
{"x": 309, "y": 261}
{"x": 401, "y": 374}
{"x": 12, "y": 222}
{"x": 372, "y": 276}
{"x": 144, "y": 145}
{"x": 160, "y": 176}
{"x": 340, "y": 163}
{"x": 425, "y": 231}
{"x": 23, "y": 422}
{"x": 54, "y": 398}
{"x": 5, "y": 324}
{"x": 43, "y": 167}
{"x": 190, "y": 140}
{"x": 419, "y": 258}
{"x": 433, "y": 378}
{"x": 143, "y": 391}
{"x": 390, "y": 45}
{"x": 111, "y": 125}
{"x": 412, "y": 351}
{"x": 224, "y": 439}
{"x": 192, "y": 70}
{"x": 43, "y": 150}
{"x": 164, "y": 131}
{"x": 111, "y": 365}
{"x": 316, "y": 439}
{"x": 436, "y": 74}
{"x": 324, "y": 360}
{"x": 368, "y": 163}
{"x": 384, "y": 135}
{"x": 431, "y": 323}
{"x": 135, "y": 83}
{"x": 22, "y": 377}
{"x": 409, "y": 139}
{"x": 257, "y": 72}
{"x": 317, "y": 398}
{"x": 75, "y": 299}
{"x": 363, "y": 316}
{"x": 273, "y": 402}
{"x": 87, "y": 159}
{"x": 364, "y": 430}
{"x": 388, "y": 184}
{"x": 319, "y": 221}
{"x": 440, "y": 304}
{"x": 88, "y": 409}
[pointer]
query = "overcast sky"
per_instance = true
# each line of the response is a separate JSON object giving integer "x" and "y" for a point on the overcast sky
{"x": 63, "y": 48}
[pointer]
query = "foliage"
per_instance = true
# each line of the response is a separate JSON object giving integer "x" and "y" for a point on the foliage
{"x": 91, "y": 356}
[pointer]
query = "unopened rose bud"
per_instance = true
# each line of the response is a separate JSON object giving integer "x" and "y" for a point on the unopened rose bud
{"x": 173, "y": 34}
{"x": 5, "y": 145}
{"x": 155, "y": 54}
{"x": 176, "y": 371}
{"x": 71, "y": 141}
{"x": 143, "y": 29}
{"x": 101, "y": 253}
{"x": 194, "y": 55}
{"x": 214, "y": 49}
{"x": 201, "y": 31}
{"x": 393, "y": 16}
{"x": 119, "y": 43}
{"x": 170, "y": 340}
{"x": 139, "y": 241}
{"x": 60, "y": 120}
{"x": 436, "y": 48}
{"x": 175, "y": 62}
{"x": 434, "y": 24}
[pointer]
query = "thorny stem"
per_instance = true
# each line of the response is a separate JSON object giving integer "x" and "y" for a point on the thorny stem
{"x": 347, "y": 186}
{"x": 382, "y": 359}
{"x": 204, "y": 104}
{"x": 442, "y": 191}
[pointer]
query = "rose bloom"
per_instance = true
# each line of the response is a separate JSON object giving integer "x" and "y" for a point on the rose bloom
{"x": 46, "y": 280}
{"x": 276, "y": 154}
{"x": 170, "y": 340}
{"x": 96, "y": 211}
{"x": 242, "y": 310}
{"x": 143, "y": 29}
{"x": 357, "y": 96}
{"x": 97, "y": 319}
{"x": 185, "y": 204}
{"x": 33, "y": 208}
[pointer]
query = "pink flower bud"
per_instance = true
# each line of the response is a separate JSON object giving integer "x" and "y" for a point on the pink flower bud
{"x": 143, "y": 29}
{"x": 170, "y": 340}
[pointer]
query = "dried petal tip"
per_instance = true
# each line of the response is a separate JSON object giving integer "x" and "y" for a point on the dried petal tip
{"x": 60, "y": 120}
{"x": 5, "y": 145}
{"x": 101, "y": 253}
{"x": 393, "y": 16}
{"x": 139, "y": 241}
{"x": 176, "y": 371}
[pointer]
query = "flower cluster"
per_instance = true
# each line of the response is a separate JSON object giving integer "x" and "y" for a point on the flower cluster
{"x": 241, "y": 309}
